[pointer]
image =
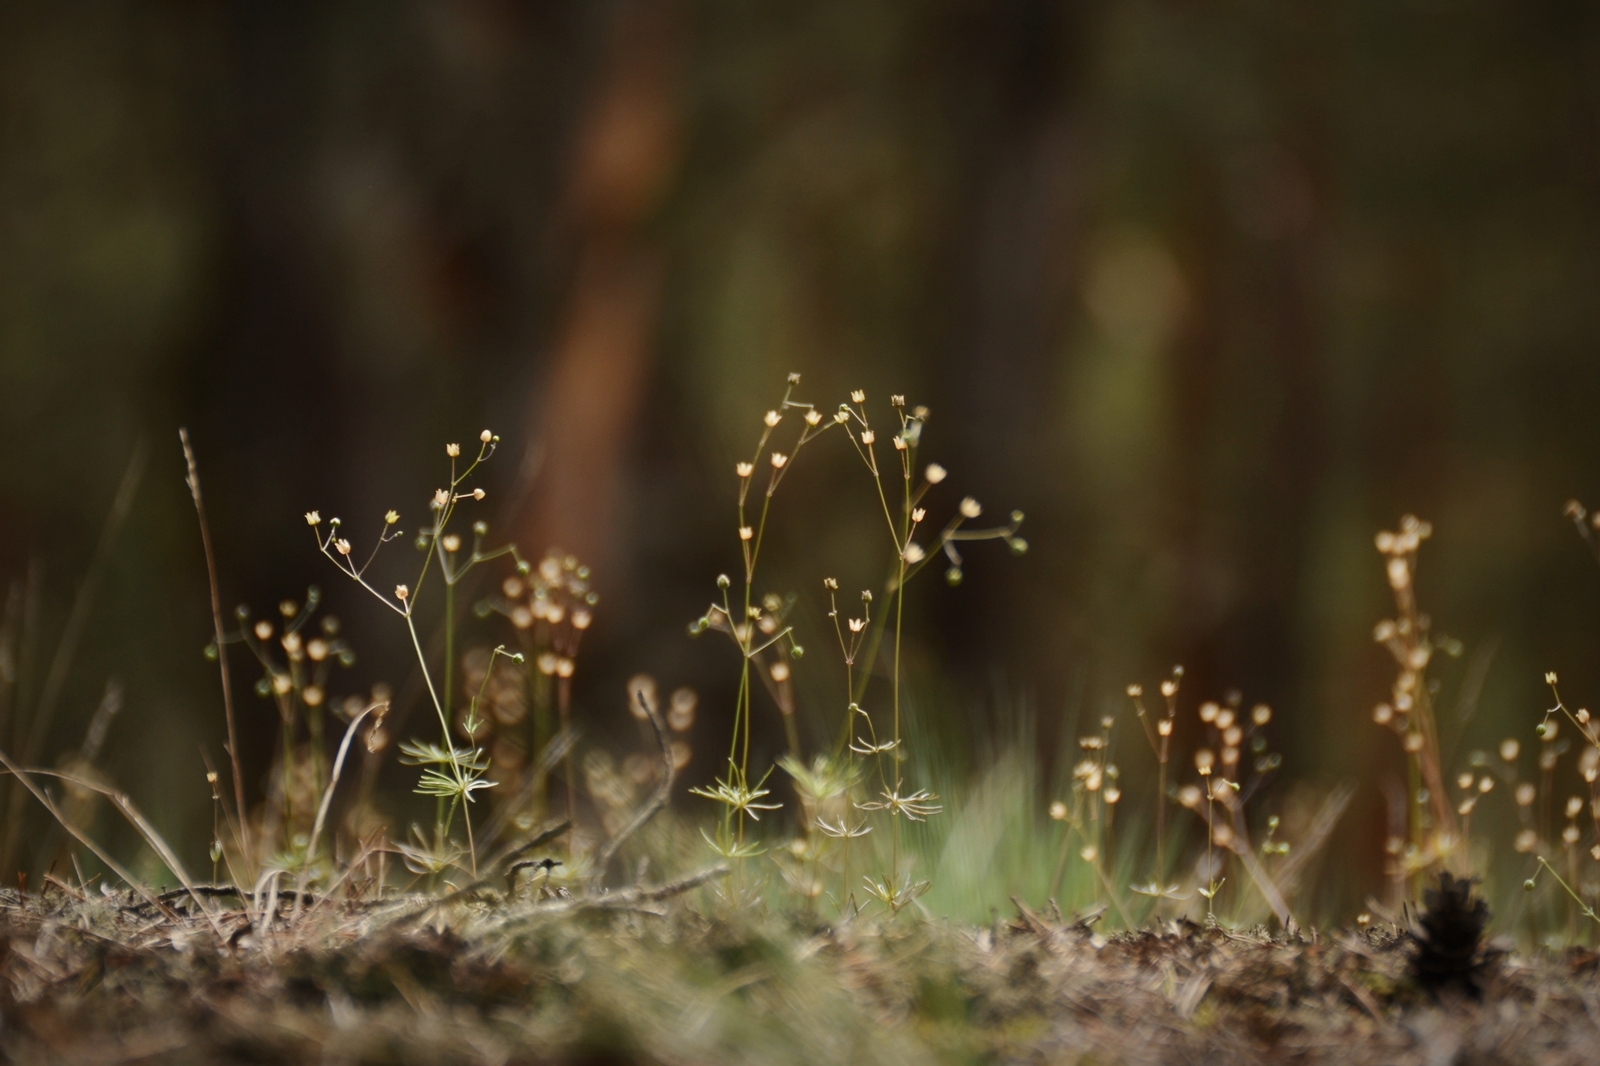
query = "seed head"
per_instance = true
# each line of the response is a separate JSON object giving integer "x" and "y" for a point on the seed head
{"x": 970, "y": 508}
{"x": 452, "y": 450}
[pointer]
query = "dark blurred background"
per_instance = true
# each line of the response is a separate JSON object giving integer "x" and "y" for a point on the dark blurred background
{"x": 1212, "y": 291}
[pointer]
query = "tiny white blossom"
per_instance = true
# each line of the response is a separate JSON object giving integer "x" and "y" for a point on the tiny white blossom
{"x": 772, "y": 418}
{"x": 313, "y": 518}
{"x": 743, "y": 469}
{"x": 867, "y": 436}
{"x": 914, "y": 553}
{"x": 486, "y": 436}
{"x": 452, "y": 450}
{"x": 478, "y": 494}
{"x": 858, "y": 396}
{"x": 401, "y": 592}
{"x": 813, "y": 416}
{"x": 745, "y": 532}
{"x": 778, "y": 459}
{"x": 934, "y": 473}
{"x": 342, "y": 546}
{"x": 971, "y": 508}
{"x": 918, "y": 514}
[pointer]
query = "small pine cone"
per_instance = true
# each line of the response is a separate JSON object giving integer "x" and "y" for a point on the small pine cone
{"x": 1449, "y": 937}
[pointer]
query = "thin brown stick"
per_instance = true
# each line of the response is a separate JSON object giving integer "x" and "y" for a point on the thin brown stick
{"x": 193, "y": 481}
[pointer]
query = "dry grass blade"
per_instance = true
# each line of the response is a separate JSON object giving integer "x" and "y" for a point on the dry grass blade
{"x": 50, "y": 695}
{"x": 125, "y": 807}
{"x": 327, "y": 799}
{"x": 657, "y": 801}
{"x": 112, "y": 864}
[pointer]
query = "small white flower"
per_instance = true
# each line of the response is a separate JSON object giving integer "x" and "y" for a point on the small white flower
{"x": 813, "y": 416}
{"x": 935, "y": 473}
{"x": 452, "y": 450}
{"x": 914, "y": 553}
{"x": 441, "y": 499}
{"x": 841, "y": 416}
{"x": 899, "y": 443}
{"x": 313, "y": 518}
{"x": 478, "y": 494}
{"x": 745, "y": 533}
{"x": 743, "y": 469}
{"x": 401, "y": 592}
{"x": 918, "y": 514}
{"x": 857, "y": 625}
{"x": 391, "y": 517}
{"x": 778, "y": 459}
{"x": 867, "y": 436}
{"x": 772, "y": 418}
{"x": 451, "y": 542}
{"x": 486, "y": 436}
{"x": 897, "y": 401}
{"x": 971, "y": 508}
{"x": 342, "y": 546}
{"x": 858, "y": 396}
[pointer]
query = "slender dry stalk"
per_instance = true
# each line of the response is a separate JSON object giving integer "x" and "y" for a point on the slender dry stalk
{"x": 658, "y": 801}
{"x": 193, "y": 481}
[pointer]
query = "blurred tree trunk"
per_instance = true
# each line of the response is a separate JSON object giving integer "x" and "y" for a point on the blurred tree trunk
{"x": 625, "y": 156}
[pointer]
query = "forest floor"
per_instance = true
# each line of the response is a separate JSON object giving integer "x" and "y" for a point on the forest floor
{"x": 636, "y": 976}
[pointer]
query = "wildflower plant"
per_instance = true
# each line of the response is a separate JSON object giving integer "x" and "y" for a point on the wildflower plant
{"x": 1433, "y": 835}
{"x": 452, "y": 774}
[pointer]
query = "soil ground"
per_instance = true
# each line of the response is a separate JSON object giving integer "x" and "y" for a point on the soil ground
{"x": 638, "y": 977}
